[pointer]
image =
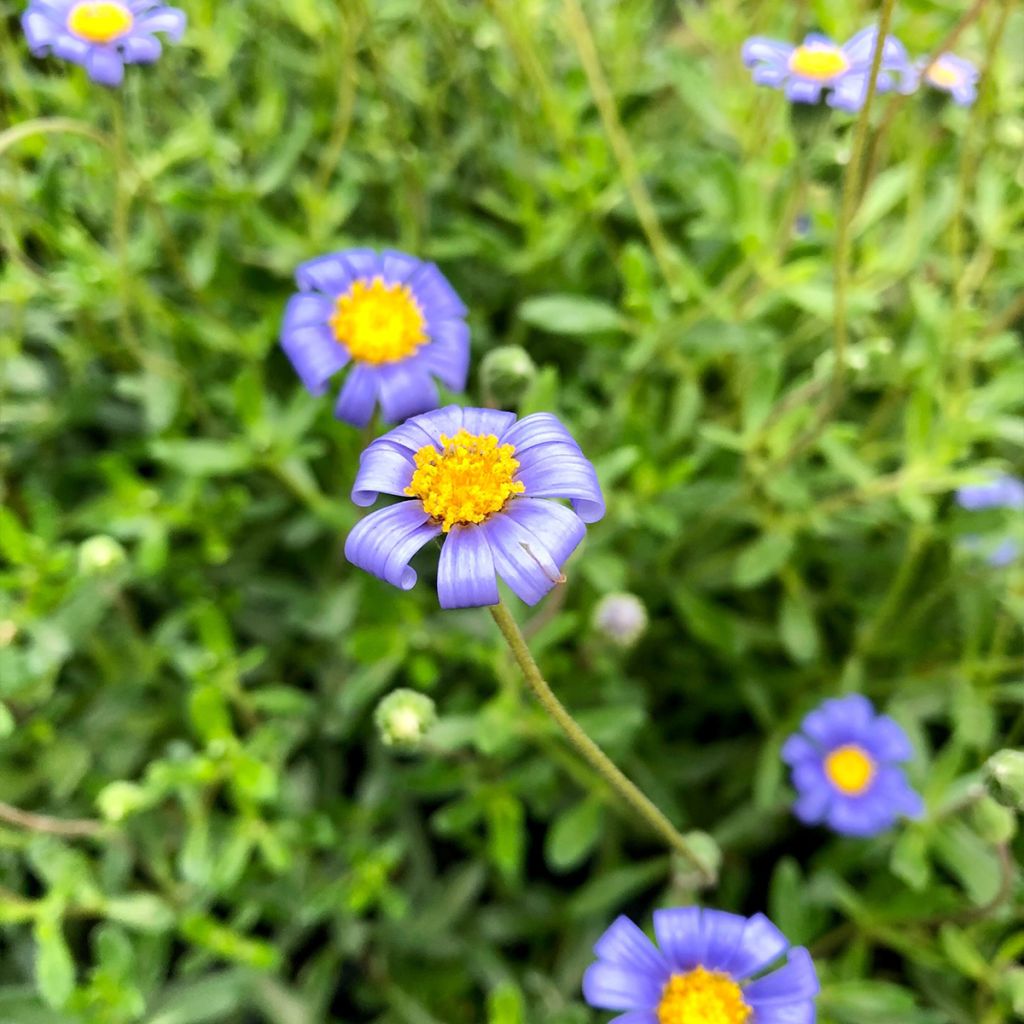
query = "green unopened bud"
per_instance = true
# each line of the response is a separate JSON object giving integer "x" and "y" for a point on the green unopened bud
{"x": 994, "y": 822}
{"x": 1004, "y": 772}
{"x": 99, "y": 555}
{"x": 117, "y": 800}
{"x": 403, "y": 719}
{"x": 506, "y": 373}
{"x": 621, "y": 617}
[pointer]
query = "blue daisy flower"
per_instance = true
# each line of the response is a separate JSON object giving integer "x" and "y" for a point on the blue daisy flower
{"x": 708, "y": 966}
{"x": 949, "y": 73}
{"x": 847, "y": 768}
{"x": 479, "y": 478}
{"x": 101, "y": 35}
{"x": 394, "y": 317}
{"x": 819, "y": 64}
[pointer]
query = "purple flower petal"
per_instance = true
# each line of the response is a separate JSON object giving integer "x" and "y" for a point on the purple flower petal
{"x": 609, "y": 986}
{"x": 522, "y": 559}
{"x": 447, "y": 356}
{"x": 69, "y": 48}
{"x": 465, "y": 572}
{"x": 556, "y": 470}
{"x": 314, "y": 353}
{"x": 487, "y": 421}
{"x": 849, "y": 92}
{"x": 168, "y": 20}
{"x": 396, "y": 267}
{"x": 856, "y": 816}
{"x": 308, "y": 308}
{"x": 793, "y": 1013}
{"x": 382, "y": 470}
{"x": 768, "y": 74}
{"x": 140, "y": 49}
{"x": 558, "y": 528}
{"x": 405, "y": 388}
{"x": 40, "y": 30}
{"x": 538, "y": 428}
{"x": 636, "y": 1017}
{"x": 679, "y": 936}
{"x": 437, "y": 298}
{"x": 385, "y": 540}
{"x": 796, "y": 981}
{"x": 762, "y": 943}
{"x": 886, "y": 741}
{"x": 358, "y": 396}
{"x": 419, "y": 431}
{"x": 800, "y": 91}
{"x": 811, "y": 806}
{"x": 105, "y": 65}
{"x": 722, "y": 934}
{"x": 798, "y": 748}
{"x": 768, "y": 51}
{"x": 623, "y": 943}
{"x": 330, "y": 274}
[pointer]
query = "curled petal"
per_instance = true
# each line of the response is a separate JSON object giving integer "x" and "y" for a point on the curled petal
{"x": 447, "y": 355}
{"x": 69, "y": 48}
{"x": 560, "y": 471}
{"x": 522, "y": 559}
{"x": 385, "y": 540}
{"x": 40, "y": 30}
{"x": 140, "y": 49}
{"x": 437, "y": 298}
{"x": 625, "y": 944}
{"x": 679, "y": 935}
{"x": 487, "y": 421}
{"x": 721, "y": 934}
{"x": 382, "y": 470}
{"x": 558, "y": 528}
{"x": 105, "y": 65}
{"x": 538, "y": 428}
{"x": 328, "y": 274}
{"x": 396, "y": 267}
{"x": 762, "y": 943}
{"x": 800, "y": 91}
{"x": 168, "y": 20}
{"x": 795, "y": 981}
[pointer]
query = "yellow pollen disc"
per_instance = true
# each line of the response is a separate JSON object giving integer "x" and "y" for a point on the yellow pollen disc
{"x": 99, "y": 21}
{"x": 465, "y": 482}
{"x": 822, "y": 63}
{"x": 850, "y": 769}
{"x": 378, "y": 322}
{"x": 944, "y": 75}
{"x": 702, "y": 997}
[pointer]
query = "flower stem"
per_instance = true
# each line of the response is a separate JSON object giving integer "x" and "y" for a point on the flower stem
{"x": 586, "y": 747}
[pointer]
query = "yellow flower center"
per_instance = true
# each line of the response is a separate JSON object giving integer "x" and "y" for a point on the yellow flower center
{"x": 702, "y": 997}
{"x": 378, "y": 322}
{"x": 850, "y": 769}
{"x": 822, "y": 63}
{"x": 465, "y": 482}
{"x": 945, "y": 76}
{"x": 99, "y": 21}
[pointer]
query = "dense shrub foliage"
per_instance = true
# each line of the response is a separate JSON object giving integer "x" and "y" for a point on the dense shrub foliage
{"x": 200, "y": 821}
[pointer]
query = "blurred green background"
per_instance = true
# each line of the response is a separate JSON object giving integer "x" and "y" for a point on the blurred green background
{"x": 190, "y": 701}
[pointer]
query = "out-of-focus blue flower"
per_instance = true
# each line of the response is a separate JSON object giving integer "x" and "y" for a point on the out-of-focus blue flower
{"x": 819, "y": 64}
{"x": 480, "y": 478}
{"x": 101, "y": 35}
{"x": 394, "y": 317}
{"x": 1000, "y": 492}
{"x": 846, "y": 763}
{"x": 711, "y": 967}
{"x": 948, "y": 73}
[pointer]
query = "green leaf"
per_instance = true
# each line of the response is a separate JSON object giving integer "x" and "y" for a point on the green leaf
{"x": 55, "y": 970}
{"x": 506, "y": 833}
{"x": 142, "y": 911}
{"x": 798, "y": 629}
{"x": 571, "y": 314}
{"x": 762, "y": 559}
{"x": 574, "y": 834}
{"x": 972, "y": 860}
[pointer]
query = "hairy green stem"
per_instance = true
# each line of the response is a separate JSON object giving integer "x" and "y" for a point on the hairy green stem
{"x": 586, "y": 747}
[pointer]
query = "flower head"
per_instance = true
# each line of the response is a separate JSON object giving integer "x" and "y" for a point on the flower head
{"x": 1000, "y": 492}
{"x": 846, "y": 763}
{"x": 403, "y": 718}
{"x": 477, "y": 479}
{"x": 101, "y": 35}
{"x": 948, "y": 73}
{"x": 817, "y": 64}
{"x": 621, "y": 617}
{"x": 394, "y": 317}
{"x": 711, "y": 968}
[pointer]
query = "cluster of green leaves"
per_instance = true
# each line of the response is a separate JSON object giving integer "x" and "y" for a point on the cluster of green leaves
{"x": 197, "y": 821}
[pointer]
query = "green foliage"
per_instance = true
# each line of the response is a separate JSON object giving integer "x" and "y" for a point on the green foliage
{"x": 189, "y": 668}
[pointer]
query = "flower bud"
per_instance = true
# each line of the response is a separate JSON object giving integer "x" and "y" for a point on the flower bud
{"x": 1004, "y": 772}
{"x": 994, "y": 822}
{"x": 403, "y": 718}
{"x": 506, "y": 373}
{"x": 99, "y": 554}
{"x": 621, "y": 617}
